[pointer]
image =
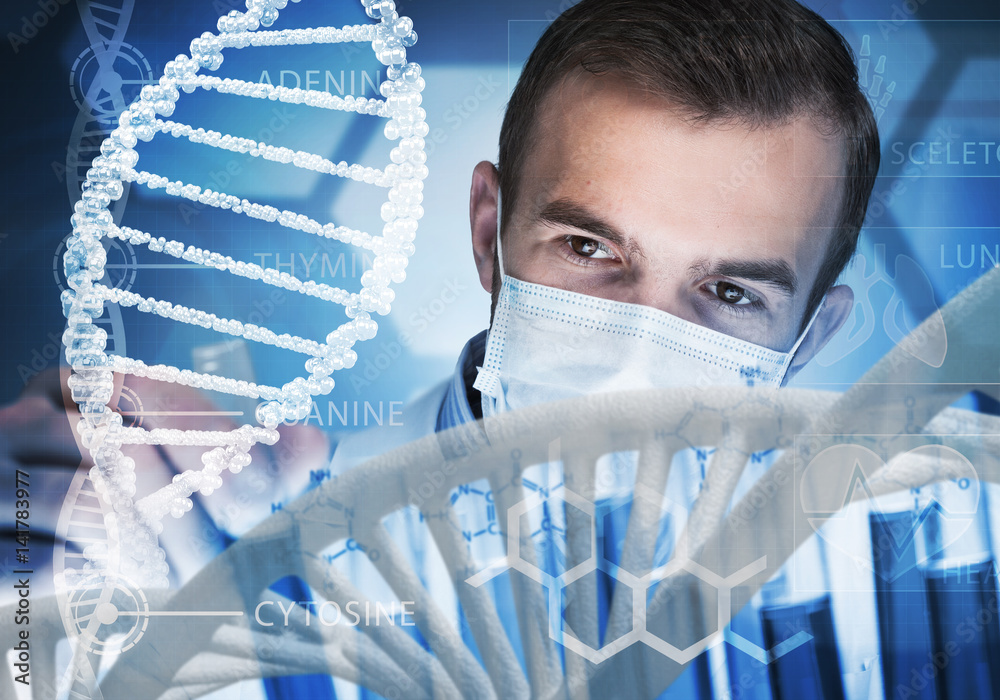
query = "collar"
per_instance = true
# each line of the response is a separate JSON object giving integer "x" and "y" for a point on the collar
{"x": 461, "y": 402}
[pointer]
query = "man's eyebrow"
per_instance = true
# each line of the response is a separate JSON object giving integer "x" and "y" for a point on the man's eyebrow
{"x": 564, "y": 212}
{"x": 777, "y": 273}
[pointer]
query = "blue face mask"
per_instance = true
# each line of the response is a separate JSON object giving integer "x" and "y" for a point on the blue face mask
{"x": 549, "y": 344}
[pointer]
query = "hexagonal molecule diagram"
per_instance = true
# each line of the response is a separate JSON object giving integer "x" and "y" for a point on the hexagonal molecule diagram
{"x": 598, "y": 593}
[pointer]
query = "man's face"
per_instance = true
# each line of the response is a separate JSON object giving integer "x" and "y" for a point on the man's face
{"x": 718, "y": 224}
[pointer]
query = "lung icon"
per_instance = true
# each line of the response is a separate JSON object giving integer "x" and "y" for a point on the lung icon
{"x": 912, "y": 305}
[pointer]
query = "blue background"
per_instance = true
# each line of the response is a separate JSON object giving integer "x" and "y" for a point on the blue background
{"x": 931, "y": 229}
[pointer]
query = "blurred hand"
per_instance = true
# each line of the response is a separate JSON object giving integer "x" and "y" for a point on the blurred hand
{"x": 38, "y": 436}
{"x": 276, "y": 473}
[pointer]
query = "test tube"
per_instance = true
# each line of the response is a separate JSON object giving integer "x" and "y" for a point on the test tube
{"x": 793, "y": 614}
{"x": 965, "y": 662}
{"x": 747, "y": 671}
{"x": 900, "y": 594}
{"x": 748, "y": 674}
{"x": 960, "y": 575}
{"x": 782, "y": 644}
{"x": 695, "y": 682}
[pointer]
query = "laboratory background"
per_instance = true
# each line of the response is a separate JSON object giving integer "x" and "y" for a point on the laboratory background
{"x": 931, "y": 70}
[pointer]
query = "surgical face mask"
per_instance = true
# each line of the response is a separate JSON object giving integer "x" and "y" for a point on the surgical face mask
{"x": 548, "y": 344}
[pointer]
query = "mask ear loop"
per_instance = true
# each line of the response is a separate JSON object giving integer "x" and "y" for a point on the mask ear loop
{"x": 488, "y": 378}
{"x": 499, "y": 247}
{"x": 802, "y": 336}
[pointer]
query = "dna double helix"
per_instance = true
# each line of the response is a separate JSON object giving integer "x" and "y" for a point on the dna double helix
{"x": 566, "y": 652}
{"x": 113, "y": 534}
{"x": 117, "y": 575}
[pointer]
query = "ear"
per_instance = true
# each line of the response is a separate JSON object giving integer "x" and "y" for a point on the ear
{"x": 483, "y": 218}
{"x": 837, "y": 306}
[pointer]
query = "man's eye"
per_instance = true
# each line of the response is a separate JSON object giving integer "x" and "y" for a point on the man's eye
{"x": 731, "y": 294}
{"x": 589, "y": 248}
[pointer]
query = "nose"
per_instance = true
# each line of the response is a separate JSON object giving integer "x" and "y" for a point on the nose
{"x": 660, "y": 290}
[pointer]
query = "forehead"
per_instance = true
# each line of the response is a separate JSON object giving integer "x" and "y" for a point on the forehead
{"x": 639, "y": 159}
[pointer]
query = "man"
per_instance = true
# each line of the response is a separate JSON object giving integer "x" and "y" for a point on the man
{"x": 668, "y": 155}
{"x": 679, "y": 186}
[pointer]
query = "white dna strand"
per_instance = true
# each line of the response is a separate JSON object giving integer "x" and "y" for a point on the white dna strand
{"x": 101, "y": 100}
{"x": 129, "y": 549}
{"x": 897, "y": 398}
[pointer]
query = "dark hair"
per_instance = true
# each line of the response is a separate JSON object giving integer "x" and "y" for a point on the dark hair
{"x": 753, "y": 62}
